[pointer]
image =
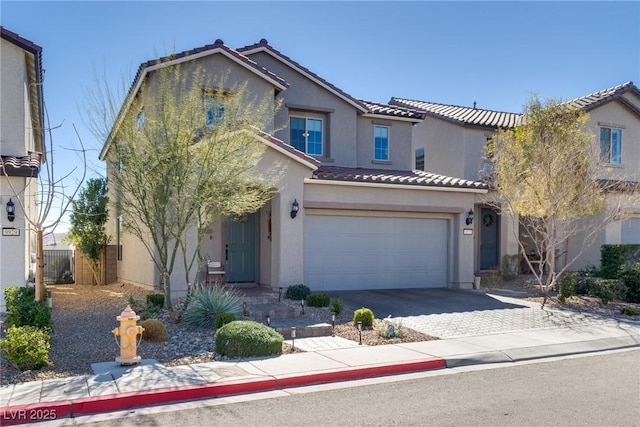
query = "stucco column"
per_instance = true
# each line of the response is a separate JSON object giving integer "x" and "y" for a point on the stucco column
{"x": 463, "y": 266}
{"x": 288, "y": 238}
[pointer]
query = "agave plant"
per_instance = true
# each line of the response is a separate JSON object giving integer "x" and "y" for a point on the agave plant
{"x": 207, "y": 302}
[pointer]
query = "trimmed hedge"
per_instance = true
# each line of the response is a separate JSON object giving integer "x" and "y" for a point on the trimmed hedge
{"x": 318, "y": 300}
{"x": 298, "y": 292}
{"x": 246, "y": 338}
{"x": 614, "y": 259}
{"x": 364, "y": 315}
{"x": 26, "y": 347}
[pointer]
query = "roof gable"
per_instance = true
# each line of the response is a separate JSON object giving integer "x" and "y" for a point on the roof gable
{"x": 596, "y": 99}
{"x": 218, "y": 47}
{"x": 263, "y": 46}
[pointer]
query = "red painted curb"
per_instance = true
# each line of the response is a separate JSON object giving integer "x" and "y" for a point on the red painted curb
{"x": 89, "y": 405}
{"x": 35, "y": 412}
{"x": 294, "y": 380}
{"x": 22, "y": 414}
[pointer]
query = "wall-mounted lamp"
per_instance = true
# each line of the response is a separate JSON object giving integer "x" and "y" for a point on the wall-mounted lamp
{"x": 11, "y": 210}
{"x": 469, "y": 219}
{"x": 295, "y": 207}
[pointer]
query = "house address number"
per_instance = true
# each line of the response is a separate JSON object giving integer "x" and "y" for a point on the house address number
{"x": 10, "y": 231}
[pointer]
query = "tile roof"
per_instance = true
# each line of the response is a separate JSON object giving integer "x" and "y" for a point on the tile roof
{"x": 594, "y": 100}
{"x": 393, "y": 110}
{"x": 381, "y": 176}
{"x": 26, "y": 166}
{"x": 264, "y": 46}
{"x": 218, "y": 44}
{"x": 462, "y": 115}
{"x": 289, "y": 149}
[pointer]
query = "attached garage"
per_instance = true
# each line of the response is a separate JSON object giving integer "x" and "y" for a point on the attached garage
{"x": 362, "y": 252}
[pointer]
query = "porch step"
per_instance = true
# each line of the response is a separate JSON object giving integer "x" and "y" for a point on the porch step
{"x": 259, "y": 312}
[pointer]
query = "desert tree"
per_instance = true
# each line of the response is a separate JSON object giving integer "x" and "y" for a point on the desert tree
{"x": 88, "y": 219}
{"x": 53, "y": 192}
{"x": 547, "y": 173}
{"x": 183, "y": 153}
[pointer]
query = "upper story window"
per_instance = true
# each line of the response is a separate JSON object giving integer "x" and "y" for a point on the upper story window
{"x": 381, "y": 143}
{"x": 611, "y": 145}
{"x": 214, "y": 110}
{"x": 140, "y": 119}
{"x": 306, "y": 134}
{"x": 420, "y": 159}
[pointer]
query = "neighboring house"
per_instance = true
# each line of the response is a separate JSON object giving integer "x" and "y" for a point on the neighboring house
{"x": 451, "y": 139}
{"x": 21, "y": 148}
{"x": 367, "y": 220}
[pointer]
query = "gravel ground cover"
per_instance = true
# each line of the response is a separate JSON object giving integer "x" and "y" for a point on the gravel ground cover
{"x": 84, "y": 316}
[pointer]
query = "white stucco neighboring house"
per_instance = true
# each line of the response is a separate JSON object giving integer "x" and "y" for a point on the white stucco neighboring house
{"x": 21, "y": 148}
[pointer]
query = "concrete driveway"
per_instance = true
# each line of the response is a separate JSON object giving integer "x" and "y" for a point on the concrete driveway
{"x": 418, "y": 302}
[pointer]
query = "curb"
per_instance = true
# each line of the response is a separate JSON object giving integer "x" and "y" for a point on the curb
{"x": 22, "y": 414}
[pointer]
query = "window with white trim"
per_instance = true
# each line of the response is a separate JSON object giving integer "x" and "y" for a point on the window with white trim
{"x": 306, "y": 134}
{"x": 381, "y": 143}
{"x": 611, "y": 145}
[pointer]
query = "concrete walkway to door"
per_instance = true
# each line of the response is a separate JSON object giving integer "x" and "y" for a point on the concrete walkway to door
{"x": 448, "y": 313}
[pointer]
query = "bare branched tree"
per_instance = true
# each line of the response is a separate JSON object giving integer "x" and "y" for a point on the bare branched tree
{"x": 54, "y": 196}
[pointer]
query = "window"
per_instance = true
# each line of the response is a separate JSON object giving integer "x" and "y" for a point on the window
{"x": 140, "y": 119}
{"x": 611, "y": 145}
{"x": 214, "y": 110}
{"x": 381, "y": 143}
{"x": 420, "y": 159}
{"x": 306, "y": 135}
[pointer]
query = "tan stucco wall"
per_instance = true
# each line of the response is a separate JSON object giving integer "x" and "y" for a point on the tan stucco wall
{"x": 614, "y": 114}
{"x": 340, "y": 126}
{"x": 400, "y": 152}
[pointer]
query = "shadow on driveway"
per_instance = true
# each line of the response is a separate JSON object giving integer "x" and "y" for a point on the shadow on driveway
{"x": 416, "y": 302}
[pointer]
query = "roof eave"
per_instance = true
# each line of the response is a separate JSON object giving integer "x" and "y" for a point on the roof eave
{"x": 392, "y": 117}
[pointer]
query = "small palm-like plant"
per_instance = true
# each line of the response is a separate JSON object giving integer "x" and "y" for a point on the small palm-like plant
{"x": 208, "y": 302}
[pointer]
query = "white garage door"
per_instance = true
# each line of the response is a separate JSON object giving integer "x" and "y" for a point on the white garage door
{"x": 348, "y": 252}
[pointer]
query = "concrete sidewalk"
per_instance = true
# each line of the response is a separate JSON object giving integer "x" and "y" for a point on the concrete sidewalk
{"x": 327, "y": 359}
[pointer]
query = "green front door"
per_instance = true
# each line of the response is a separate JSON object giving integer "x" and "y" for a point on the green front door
{"x": 241, "y": 250}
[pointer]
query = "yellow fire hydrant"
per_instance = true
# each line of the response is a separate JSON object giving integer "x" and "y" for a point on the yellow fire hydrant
{"x": 128, "y": 332}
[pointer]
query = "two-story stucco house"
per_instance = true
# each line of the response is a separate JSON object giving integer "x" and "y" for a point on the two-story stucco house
{"x": 21, "y": 148}
{"x": 452, "y": 139}
{"x": 366, "y": 218}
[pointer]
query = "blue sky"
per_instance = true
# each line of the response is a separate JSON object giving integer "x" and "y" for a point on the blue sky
{"x": 494, "y": 53}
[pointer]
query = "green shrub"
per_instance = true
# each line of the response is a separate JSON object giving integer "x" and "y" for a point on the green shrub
{"x": 15, "y": 296}
{"x": 207, "y": 302}
{"x": 584, "y": 282}
{"x": 602, "y": 290}
{"x": 318, "y": 300}
{"x": 337, "y": 306}
{"x": 388, "y": 328}
{"x": 614, "y": 259}
{"x": 27, "y": 347}
{"x": 155, "y": 302}
{"x": 363, "y": 315}
{"x": 246, "y": 338}
{"x": 224, "y": 318}
{"x": 32, "y": 313}
{"x": 154, "y": 330}
{"x": 298, "y": 292}
{"x": 567, "y": 286}
{"x": 630, "y": 310}
{"x": 631, "y": 279}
